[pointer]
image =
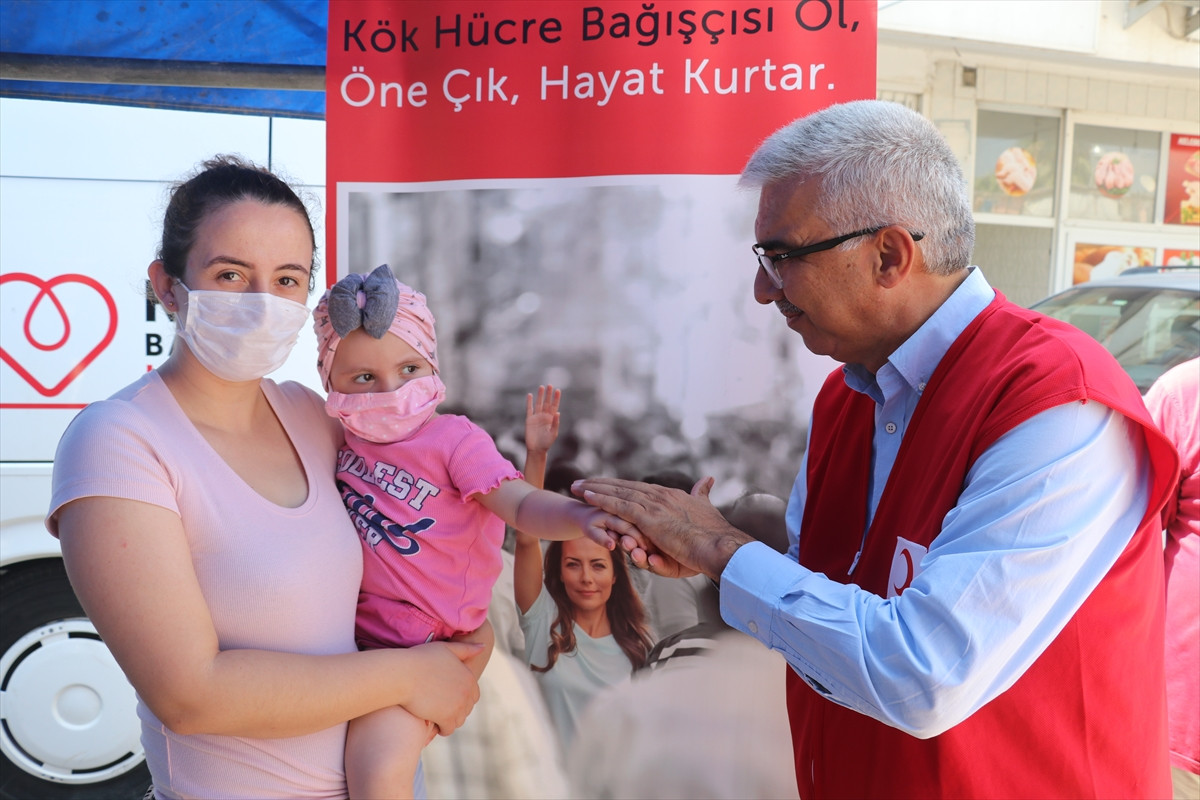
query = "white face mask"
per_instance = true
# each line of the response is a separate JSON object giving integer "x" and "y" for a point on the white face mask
{"x": 238, "y": 336}
{"x": 386, "y": 417}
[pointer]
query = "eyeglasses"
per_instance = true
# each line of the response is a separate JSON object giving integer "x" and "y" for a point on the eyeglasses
{"x": 768, "y": 262}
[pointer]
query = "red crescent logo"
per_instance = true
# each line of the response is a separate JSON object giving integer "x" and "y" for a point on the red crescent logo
{"x": 907, "y": 578}
{"x": 46, "y": 292}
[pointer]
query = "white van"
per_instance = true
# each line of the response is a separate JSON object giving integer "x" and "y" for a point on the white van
{"x": 82, "y": 190}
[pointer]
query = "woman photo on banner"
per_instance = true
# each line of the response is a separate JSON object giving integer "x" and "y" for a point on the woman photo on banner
{"x": 584, "y": 623}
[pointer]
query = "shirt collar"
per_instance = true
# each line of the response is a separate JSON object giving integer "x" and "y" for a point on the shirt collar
{"x": 916, "y": 359}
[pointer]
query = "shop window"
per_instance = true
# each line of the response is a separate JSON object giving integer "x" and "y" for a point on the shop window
{"x": 1016, "y": 164}
{"x": 1183, "y": 181}
{"x": 1179, "y": 257}
{"x": 1098, "y": 261}
{"x": 1114, "y": 174}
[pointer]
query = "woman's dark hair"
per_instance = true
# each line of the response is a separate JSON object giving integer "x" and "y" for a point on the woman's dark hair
{"x": 218, "y": 182}
{"x": 626, "y": 613}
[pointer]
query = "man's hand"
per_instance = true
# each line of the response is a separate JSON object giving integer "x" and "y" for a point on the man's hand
{"x": 681, "y": 534}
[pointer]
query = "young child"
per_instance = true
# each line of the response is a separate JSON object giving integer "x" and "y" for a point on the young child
{"x": 429, "y": 494}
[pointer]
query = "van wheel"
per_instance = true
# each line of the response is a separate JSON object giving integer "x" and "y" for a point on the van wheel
{"x": 68, "y": 720}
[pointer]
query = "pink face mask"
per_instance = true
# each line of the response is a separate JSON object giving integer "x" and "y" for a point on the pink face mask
{"x": 387, "y": 417}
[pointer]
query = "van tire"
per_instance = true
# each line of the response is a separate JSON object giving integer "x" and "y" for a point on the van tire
{"x": 45, "y": 630}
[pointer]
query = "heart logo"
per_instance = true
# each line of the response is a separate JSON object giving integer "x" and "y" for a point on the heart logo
{"x": 45, "y": 292}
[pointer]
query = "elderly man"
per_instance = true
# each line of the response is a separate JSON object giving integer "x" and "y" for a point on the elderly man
{"x": 972, "y": 602}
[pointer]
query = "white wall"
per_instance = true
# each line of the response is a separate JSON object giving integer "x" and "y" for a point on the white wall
{"x": 1096, "y": 29}
{"x": 82, "y": 191}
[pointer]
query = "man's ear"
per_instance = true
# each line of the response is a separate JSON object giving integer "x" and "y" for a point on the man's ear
{"x": 898, "y": 255}
{"x": 163, "y": 285}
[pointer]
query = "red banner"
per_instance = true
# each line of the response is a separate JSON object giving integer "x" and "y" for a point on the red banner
{"x": 448, "y": 90}
{"x": 559, "y": 179}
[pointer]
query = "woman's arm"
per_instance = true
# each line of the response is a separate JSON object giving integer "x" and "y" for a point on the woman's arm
{"x": 131, "y": 568}
{"x": 527, "y": 570}
{"x": 541, "y": 430}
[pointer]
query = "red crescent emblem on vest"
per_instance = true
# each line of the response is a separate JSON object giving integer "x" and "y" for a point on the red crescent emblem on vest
{"x": 907, "y": 578}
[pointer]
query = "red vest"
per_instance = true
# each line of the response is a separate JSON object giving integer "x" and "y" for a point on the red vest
{"x": 1088, "y": 718}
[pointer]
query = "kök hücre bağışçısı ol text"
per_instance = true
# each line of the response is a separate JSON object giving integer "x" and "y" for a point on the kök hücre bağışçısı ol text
{"x": 700, "y": 75}
{"x": 646, "y": 29}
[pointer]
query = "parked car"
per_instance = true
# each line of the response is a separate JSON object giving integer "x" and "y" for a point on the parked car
{"x": 1148, "y": 317}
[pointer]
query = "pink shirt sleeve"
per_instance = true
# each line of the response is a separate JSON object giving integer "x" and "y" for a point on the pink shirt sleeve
{"x": 476, "y": 466}
{"x": 108, "y": 450}
{"x": 1174, "y": 403}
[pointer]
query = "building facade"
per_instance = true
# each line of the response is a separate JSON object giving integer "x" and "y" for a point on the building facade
{"x": 1077, "y": 123}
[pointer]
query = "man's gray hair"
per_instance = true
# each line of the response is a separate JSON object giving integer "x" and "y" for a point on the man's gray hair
{"x": 876, "y": 163}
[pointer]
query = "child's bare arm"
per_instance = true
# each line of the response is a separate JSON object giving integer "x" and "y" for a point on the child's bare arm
{"x": 551, "y": 516}
{"x": 485, "y": 636}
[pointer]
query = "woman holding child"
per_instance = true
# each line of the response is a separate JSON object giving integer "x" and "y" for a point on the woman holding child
{"x": 203, "y": 533}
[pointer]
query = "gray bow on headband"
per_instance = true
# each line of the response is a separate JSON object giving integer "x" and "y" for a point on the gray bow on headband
{"x": 369, "y": 301}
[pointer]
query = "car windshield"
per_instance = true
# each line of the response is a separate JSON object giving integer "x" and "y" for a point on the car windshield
{"x": 1148, "y": 330}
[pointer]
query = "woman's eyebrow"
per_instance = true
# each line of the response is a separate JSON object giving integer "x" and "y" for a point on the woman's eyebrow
{"x": 222, "y": 260}
{"x": 219, "y": 260}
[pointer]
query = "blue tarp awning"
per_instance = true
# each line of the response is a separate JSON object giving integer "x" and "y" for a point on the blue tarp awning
{"x": 235, "y": 56}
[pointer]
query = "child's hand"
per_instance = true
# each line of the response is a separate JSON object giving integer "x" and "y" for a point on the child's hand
{"x": 541, "y": 419}
{"x": 608, "y": 530}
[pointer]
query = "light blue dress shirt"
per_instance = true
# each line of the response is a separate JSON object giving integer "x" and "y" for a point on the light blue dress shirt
{"x": 1045, "y": 513}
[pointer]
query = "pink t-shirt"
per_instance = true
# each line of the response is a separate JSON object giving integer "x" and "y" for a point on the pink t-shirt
{"x": 430, "y": 554}
{"x": 274, "y": 578}
{"x": 1174, "y": 402}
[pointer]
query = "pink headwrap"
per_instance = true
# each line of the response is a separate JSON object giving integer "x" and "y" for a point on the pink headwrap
{"x": 379, "y": 304}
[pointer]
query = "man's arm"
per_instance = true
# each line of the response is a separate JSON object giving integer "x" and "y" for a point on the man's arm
{"x": 1046, "y": 512}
